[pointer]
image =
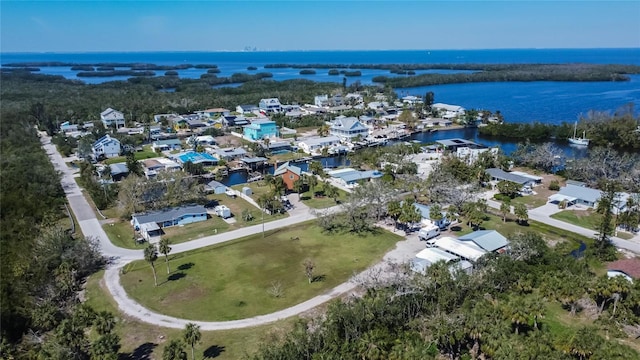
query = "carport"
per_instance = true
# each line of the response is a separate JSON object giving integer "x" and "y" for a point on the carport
{"x": 557, "y": 198}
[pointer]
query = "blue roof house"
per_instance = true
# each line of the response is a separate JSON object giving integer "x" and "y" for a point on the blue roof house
{"x": 196, "y": 158}
{"x": 425, "y": 210}
{"x": 260, "y": 129}
{"x": 150, "y": 223}
{"x": 106, "y": 146}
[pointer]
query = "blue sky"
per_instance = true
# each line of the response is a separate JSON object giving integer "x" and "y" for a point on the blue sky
{"x": 78, "y": 26}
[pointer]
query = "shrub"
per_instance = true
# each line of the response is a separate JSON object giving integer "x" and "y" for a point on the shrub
{"x": 554, "y": 185}
{"x": 502, "y": 197}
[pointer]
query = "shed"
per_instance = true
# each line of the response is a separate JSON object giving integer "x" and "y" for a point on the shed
{"x": 215, "y": 187}
{"x": 247, "y": 191}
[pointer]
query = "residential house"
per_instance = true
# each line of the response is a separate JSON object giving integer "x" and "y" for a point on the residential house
{"x": 246, "y": 109}
{"x": 111, "y": 117}
{"x": 350, "y": 178}
{"x": 164, "y": 145}
{"x": 232, "y": 120}
{"x": 377, "y": 105}
{"x": 195, "y": 123}
{"x": 215, "y": 187}
{"x": 106, "y": 146}
{"x": 326, "y": 101}
{"x": 573, "y": 194}
{"x": 627, "y": 268}
{"x": 260, "y": 129}
{"x": 316, "y": 144}
{"x": 289, "y": 173}
{"x": 501, "y": 175}
{"x": 488, "y": 240}
{"x": 348, "y": 128}
{"x": 201, "y": 140}
{"x": 213, "y": 113}
{"x": 67, "y": 127}
{"x": 425, "y": 212}
{"x": 195, "y": 158}
{"x": 151, "y": 167}
{"x": 271, "y": 105}
{"x": 449, "y": 111}
{"x": 429, "y": 256}
{"x": 118, "y": 171}
{"x": 150, "y": 224}
{"x": 158, "y": 118}
{"x": 254, "y": 162}
{"x": 229, "y": 154}
{"x": 353, "y": 98}
{"x": 411, "y": 100}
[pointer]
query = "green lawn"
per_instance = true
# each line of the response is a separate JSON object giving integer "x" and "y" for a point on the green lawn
{"x": 532, "y": 201}
{"x": 587, "y": 219}
{"x": 139, "y": 155}
{"x": 322, "y": 202}
{"x": 237, "y": 205}
{"x": 121, "y": 234}
{"x": 232, "y": 280}
{"x": 136, "y": 335}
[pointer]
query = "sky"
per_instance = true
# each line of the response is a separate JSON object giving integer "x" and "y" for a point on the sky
{"x": 112, "y": 26}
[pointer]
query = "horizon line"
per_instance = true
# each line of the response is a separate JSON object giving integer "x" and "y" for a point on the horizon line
{"x": 303, "y": 50}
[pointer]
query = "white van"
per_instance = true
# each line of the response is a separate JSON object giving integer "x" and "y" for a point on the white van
{"x": 428, "y": 232}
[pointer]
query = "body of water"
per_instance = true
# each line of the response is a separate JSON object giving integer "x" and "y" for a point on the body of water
{"x": 548, "y": 102}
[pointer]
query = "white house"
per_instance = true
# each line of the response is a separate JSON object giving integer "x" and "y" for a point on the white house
{"x": 106, "y": 146}
{"x": 111, "y": 117}
{"x": 271, "y": 105}
{"x": 449, "y": 111}
{"x": 246, "y": 109}
{"x": 316, "y": 144}
{"x": 348, "y": 128}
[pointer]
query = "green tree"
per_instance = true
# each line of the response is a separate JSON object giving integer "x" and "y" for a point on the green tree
{"x": 394, "y": 210}
{"x": 428, "y": 101}
{"x": 165, "y": 249}
{"x": 508, "y": 188}
{"x": 134, "y": 165}
{"x": 104, "y": 322}
{"x": 505, "y": 209}
{"x": 409, "y": 213}
{"x": 521, "y": 212}
{"x": 332, "y": 192}
{"x": 174, "y": 351}
{"x": 312, "y": 181}
{"x": 150, "y": 256}
{"x": 323, "y": 130}
{"x": 316, "y": 168}
{"x": 298, "y": 187}
{"x": 105, "y": 347}
{"x": 435, "y": 213}
{"x": 191, "y": 336}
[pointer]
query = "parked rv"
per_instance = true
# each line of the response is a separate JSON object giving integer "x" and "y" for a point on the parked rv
{"x": 428, "y": 232}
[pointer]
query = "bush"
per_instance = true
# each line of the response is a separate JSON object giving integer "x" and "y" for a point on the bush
{"x": 502, "y": 197}
{"x": 554, "y": 185}
{"x": 307, "y": 72}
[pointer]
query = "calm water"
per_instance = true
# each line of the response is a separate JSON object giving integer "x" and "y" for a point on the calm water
{"x": 548, "y": 102}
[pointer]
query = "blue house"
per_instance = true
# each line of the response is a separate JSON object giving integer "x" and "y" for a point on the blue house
{"x": 260, "y": 129}
{"x": 424, "y": 211}
{"x": 150, "y": 223}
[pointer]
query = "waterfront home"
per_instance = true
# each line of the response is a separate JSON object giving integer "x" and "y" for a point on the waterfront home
{"x": 151, "y": 167}
{"x": 501, "y": 175}
{"x": 229, "y": 154}
{"x": 260, "y": 129}
{"x": 149, "y": 224}
{"x": 449, "y": 111}
{"x": 271, "y": 105}
{"x": 106, "y": 146}
{"x": 246, "y": 109}
{"x": 350, "y": 178}
{"x": 195, "y": 158}
{"x": 326, "y": 101}
{"x": 111, "y": 117}
{"x": 289, "y": 173}
{"x": 118, "y": 171}
{"x": 213, "y": 113}
{"x": 348, "y": 128}
{"x": 316, "y": 144}
{"x": 201, "y": 140}
{"x": 168, "y": 144}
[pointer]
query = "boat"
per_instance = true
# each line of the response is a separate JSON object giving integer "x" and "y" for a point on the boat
{"x": 583, "y": 141}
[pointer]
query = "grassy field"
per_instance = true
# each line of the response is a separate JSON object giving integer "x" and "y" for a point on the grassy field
{"x": 234, "y": 280}
{"x": 532, "y": 201}
{"x": 139, "y": 155}
{"x": 259, "y": 188}
{"x": 587, "y": 219}
{"x": 237, "y": 205}
{"x": 143, "y": 341}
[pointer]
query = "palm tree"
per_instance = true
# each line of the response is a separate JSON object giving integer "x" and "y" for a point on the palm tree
{"x": 505, "y": 208}
{"x": 174, "y": 351}
{"x": 191, "y": 335}
{"x": 105, "y": 347}
{"x": 151, "y": 255}
{"x": 165, "y": 249}
{"x": 298, "y": 186}
{"x": 331, "y": 192}
{"x": 522, "y": 215}
{"x": 394, "y": 210}
{"x": 323, "y": 130}
{"x": 312, "y": 181}
{"x": 104, "y": 322}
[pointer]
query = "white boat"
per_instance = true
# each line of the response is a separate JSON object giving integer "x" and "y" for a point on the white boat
{"x": 583, "y": 141}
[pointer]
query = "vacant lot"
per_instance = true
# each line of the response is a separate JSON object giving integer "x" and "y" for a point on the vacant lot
{"x": 254, "y": 275}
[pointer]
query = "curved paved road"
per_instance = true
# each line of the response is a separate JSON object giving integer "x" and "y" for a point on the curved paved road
{"x": 91, "y": 227}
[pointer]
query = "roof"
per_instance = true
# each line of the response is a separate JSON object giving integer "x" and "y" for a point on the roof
{"x": 270, "y": 101}
{"x": 111, "y": 114}
{"x": 167, "y": 142}
{"x": 458, "y": 143}
{"x": 459, "y": 248}
{"x": 216, "y": 110}
{"x": 105, "y": 140}
{"x": 257, "y": 124}
{"x": 560, "y": 197}
{"x": 433, "y": 255}
{"x": 576, "y": 183}
{"x": 169, "y": 214}
{"x": 320, "y": 140}
{"x": 447, "y": 107}
{"x": 214, "y": 184}
{"x": 150, "y": 163}
{"x": 248, "y": 107}
{"x": 425, "y": 210}
{"x": 230, "y": 152}
{"x": 119, "y": 168}
{"x": 349, "y": 123}
{"x": 253, "y": 160}
{"x": 282, "y": 169}
{"x": 489, "y": 240}
{"x": 533, "y": 177}
{"x": 630, "y": 267}
{"x": 503, "y": 175}
{"x": 581, "y": 192}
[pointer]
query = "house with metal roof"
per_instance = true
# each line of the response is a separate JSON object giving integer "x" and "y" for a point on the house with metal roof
{"x": 168, "y": 144}
{"x": 111, "y": 117}
{"x": 488, "y": 240}
{"x": 271, "y": 105}
{"x": 106, "y": 146}
{"x": 243, "y": 109}
{"x": 500, "y": 175}
{"x": 573, "y": 194}
{"x": 464, "y": 250}
{"x": 260, "y": 129}
{"x": 348, "y": 128}
{"x": 150, "y": 223}
{"x": 425, "y": 211}
{"x": 316, "y": 144}
{"x": 215, "y": 187}
{"x": 350, "y": 177}
{"x": 229, "y": 154}
{"x": 118, "y": 171}
{"x": 290, "y": 174}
